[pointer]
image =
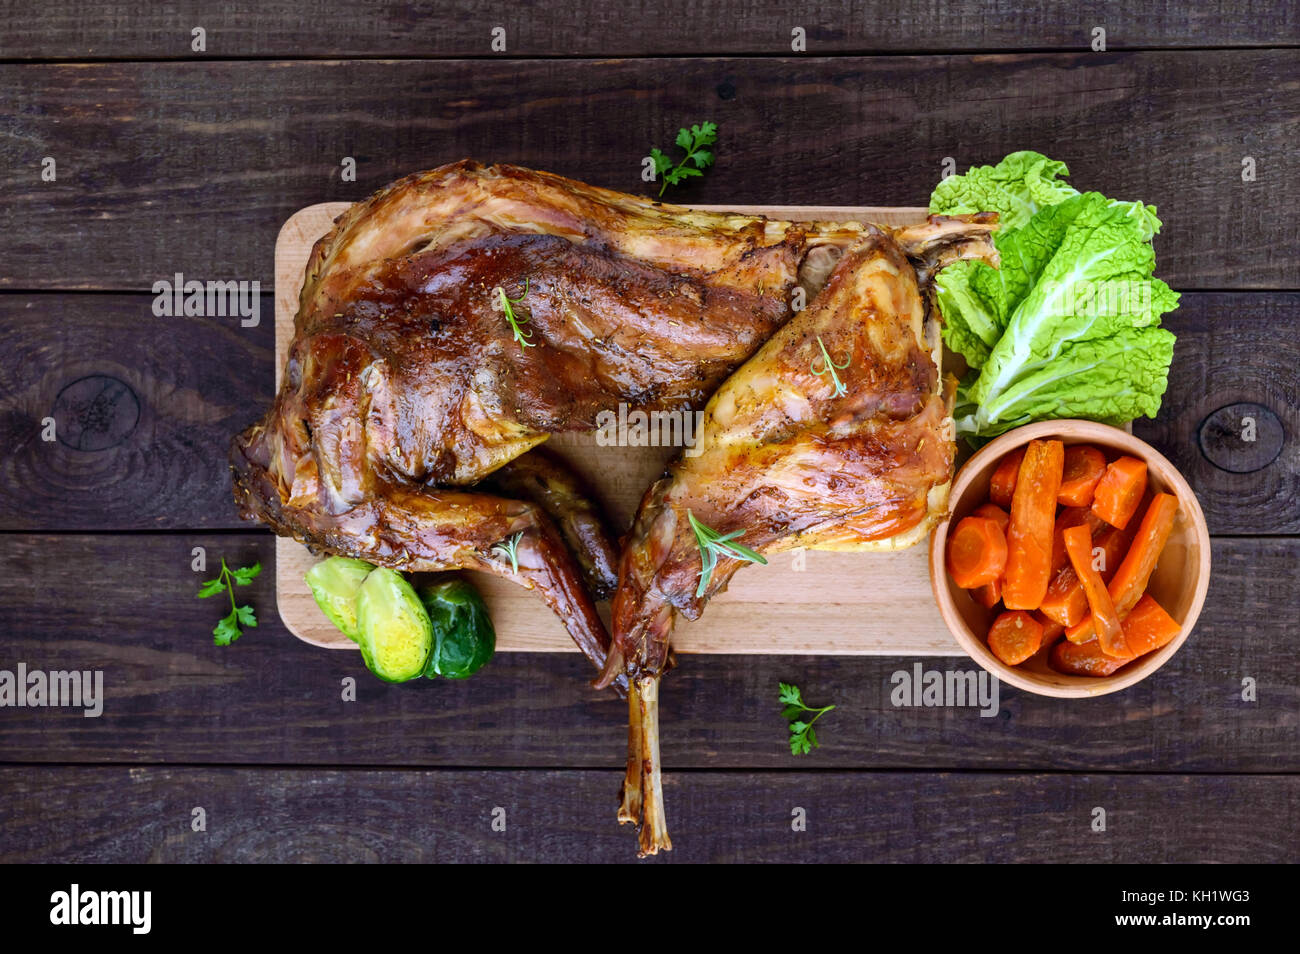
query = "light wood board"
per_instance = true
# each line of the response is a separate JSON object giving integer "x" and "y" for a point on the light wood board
{"x": 836, "y": 603}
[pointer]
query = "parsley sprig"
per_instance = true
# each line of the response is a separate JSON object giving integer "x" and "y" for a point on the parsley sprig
{"x": 692, "y": 141}
{"x": 828, "y": 364}
{"x": 516, "y": 323}
{"x": 228, "y": 630}
{"x": 713, "y": 545}
{"x": 803, "y": 738}
{"x": 509, "y": 548}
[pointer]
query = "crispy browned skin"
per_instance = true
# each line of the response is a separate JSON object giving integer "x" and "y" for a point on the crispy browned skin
{"x": 405, "y": 426}
{"x": 787, "y": 460}
{"x": 405, "y": 379}
{"x": 546, "y": 480}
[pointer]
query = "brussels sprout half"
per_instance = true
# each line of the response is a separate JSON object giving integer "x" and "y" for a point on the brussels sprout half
{"x": 396, "y": 635}
{"x": 335, "y": 583}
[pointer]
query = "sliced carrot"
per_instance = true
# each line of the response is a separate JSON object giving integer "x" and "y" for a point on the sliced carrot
{"x": 1067, "y": 518}
{"x": 1029, "y": 534}
{"x": 1066, "y": 601}
{"x": 993, "y": 512}
{"x": 1130, "y": 580}
{"x": 1015, "y": 636}
{"x": 1002, "y": 485}
{"x": 1084, "y": 468}
{"x": 1078, "y": 544}
{"x": 1147, "y": 628}
{"x": 1052, "y": 630}
{"x": 1082, "y": 659}
{"x": 1120, "y": 490}
{"x": 977, "y": 552}
{"x": 988, "y": 595}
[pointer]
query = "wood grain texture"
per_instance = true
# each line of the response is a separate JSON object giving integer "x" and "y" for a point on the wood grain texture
{"x": 199, "y": 381}
{"x": 303, "y": 815}
{"x": 124, "y": 604}
{"x": 193, "y": 382}
{"x": 1235, "y": 349}
{"x": 191, "y": 167}
{"x": 119, "y": 29}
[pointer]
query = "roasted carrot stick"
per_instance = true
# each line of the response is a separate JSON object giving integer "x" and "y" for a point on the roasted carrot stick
{"x": 1130, "y": 580}
{"x": 977, "y": 552}
{"x": 1082, "y": 659}
{"x": 1067, "y": 518}
{"x": 988, "y": 595}
{"x": 1003, "y": 482}
{"x": 993, "y": 512}
{"x": 1147, "y": 629}
{"x": 1084, "y": 468}
{"x": 1078, "y": 544}
{"x": 1120, "y": 490}
{"x": 1029, "y": 534}
{"x": 1015, "y": 636}
{"x": 1066, "y": 601}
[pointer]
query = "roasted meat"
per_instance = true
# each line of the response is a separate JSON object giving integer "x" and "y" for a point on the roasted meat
{"x": 835, "y": 435}
{"x": 451, "y": 323}
{"x": 405, "y": 378}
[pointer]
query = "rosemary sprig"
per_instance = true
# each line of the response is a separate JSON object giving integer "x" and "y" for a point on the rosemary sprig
{"x": 828, "y": 364}
{"x": 507, "y": 305}
{"x": 713, "y": 545}
{"x": 509, "y": 548}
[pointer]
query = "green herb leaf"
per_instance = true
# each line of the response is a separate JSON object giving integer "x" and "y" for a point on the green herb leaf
{"x": 803, "y": 737}
{"x": 245, "y": 575}
{"x": 714, "y": 545}
{"x": 691, "y": 141}
{"x": 830, "y": 367}
{"x": 212, "y": 588}
{"x": 228, "y": 630}
{"x": 516, "y": 324}
{"x": 509, "y": 548}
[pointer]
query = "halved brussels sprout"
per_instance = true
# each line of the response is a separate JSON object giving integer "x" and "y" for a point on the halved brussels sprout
{"x": 335, "y": 583}
{"x": 396, "y": 635}
{"x": 463, "y": 636}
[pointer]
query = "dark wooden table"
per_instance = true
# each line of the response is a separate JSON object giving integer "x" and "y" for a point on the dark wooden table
{"x": 170, "y": 160}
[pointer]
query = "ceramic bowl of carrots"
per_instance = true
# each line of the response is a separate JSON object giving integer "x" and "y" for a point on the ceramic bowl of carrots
{"x": 1074, "y": 561}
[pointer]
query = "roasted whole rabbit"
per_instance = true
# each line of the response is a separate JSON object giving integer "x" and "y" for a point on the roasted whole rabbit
{"x": 413, "y": 402}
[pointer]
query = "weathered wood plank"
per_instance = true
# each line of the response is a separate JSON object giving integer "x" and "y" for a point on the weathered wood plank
{"x": 143, "y": 409}
{"x": 177, "y": 166}
{"x": 124, "y": 604}
{"x": 189, "y": 384}
{"x": 1240, "y": 353}
{"x": 85, "y": 814}
{"x": 123, "y": 30}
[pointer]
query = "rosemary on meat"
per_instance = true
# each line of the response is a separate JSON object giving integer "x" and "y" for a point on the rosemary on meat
{"x": 829, "y": 365}
{"x": 507, "y": 305}
{"x": 714, "y": 545}
{"x": 509, "y": 549}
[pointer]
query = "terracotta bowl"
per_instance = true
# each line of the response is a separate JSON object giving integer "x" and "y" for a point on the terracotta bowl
{"x": 1179, "y": 583}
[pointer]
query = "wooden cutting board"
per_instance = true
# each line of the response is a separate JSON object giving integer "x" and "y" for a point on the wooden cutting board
{"x": 838, "y": 603}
